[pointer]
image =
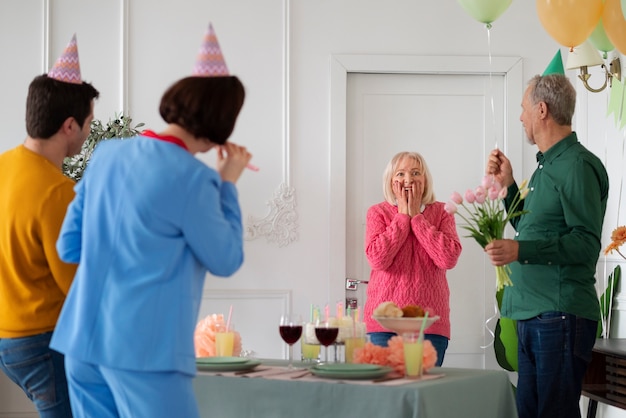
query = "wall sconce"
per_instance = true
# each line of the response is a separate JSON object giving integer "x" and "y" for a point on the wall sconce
{"x": 584, "y": 56}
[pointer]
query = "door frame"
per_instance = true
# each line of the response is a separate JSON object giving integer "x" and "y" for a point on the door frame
{"x": 343, "y": 64}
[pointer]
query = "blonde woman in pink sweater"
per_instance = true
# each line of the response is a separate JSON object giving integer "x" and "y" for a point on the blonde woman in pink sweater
{"x": 410, "y": 243}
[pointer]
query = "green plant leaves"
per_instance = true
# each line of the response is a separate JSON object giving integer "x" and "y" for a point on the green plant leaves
{"x": 118, "y": 127}
{"x": 607, "y": 297}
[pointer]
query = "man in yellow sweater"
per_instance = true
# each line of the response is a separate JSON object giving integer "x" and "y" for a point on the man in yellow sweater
{"x": 34, "y": 195}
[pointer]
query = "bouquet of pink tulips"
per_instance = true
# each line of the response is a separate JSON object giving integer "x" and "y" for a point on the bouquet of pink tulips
{"x": 485, "y": 217}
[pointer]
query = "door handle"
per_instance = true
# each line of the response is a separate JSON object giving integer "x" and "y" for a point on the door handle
{"x": 353, "y": 284}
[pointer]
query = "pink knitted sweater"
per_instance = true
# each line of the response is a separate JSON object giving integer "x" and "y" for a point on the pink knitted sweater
{"x": 409, "y": 258}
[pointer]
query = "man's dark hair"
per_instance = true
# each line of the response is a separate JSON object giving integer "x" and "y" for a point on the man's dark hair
{"x": 206, "y": 107}
{"x": 50, "y": 102}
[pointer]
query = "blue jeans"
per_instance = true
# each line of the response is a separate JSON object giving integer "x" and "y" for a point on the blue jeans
{"x": 553, "y": 353}
{"x": 438, "y": 341}
{"x": 39, "y": 371}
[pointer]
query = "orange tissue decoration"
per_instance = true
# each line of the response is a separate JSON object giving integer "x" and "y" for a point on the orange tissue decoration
{"x": 204, "y": 336}
{"x": 393, "y": 355}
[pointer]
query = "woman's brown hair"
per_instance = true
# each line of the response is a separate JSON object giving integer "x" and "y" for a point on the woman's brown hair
{"x": 206, "y": 107}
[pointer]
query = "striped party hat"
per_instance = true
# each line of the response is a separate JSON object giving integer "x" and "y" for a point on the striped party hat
{"x": 67, "y": 67}
{"x": 210, "y": 61}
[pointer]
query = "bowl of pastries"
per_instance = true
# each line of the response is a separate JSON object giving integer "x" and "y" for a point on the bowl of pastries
{"x": 405, "y": 319}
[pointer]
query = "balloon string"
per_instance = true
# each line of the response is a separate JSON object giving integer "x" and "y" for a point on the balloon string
{"x": 493, "y": 119}
{"x": 491, "y": 318}
{"x": 493, "y": 108}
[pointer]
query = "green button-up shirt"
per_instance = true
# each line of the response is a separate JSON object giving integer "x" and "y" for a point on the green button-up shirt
{"x": 559, "y": 237}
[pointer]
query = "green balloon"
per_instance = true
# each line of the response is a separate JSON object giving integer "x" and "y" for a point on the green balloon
{"x": 599, "y": 39}
{"x": 505, "y": 341}
{"x": 624, "y": 8}
{"x": 505, "y": 344}
{"x": 485, "y": 11}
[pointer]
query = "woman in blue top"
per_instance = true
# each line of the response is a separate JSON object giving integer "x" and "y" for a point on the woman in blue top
{"x": 149, "y": 220}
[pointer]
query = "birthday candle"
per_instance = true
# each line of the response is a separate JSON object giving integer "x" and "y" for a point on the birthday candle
{"x": 339, "y": 310}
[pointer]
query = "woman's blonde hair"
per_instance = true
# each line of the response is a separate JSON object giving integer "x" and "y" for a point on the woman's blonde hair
{"x": 429, "y": 195}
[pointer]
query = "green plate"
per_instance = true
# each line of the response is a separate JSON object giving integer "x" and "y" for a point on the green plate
{"x": 202, "y": 365}
{"x": 351, "y": 374}
{"x": 347, "y": 367}
{"x": 221, "y": 360}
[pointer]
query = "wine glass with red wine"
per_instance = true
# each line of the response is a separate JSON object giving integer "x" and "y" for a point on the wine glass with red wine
{"x": 326, "y": 334}
{"x": 290, "y": 331}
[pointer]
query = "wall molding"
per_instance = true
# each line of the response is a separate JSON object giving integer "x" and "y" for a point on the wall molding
{"x": 279, "y": 225}
{"x": 45, "y": 40}
{"x": 124, "y": 71}
{"x": 284, "y": 296}
{"x": 248, "y": 303}
{"x": 124, "y": 55}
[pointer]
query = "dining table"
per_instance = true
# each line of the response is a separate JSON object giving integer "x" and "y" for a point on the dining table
{"x": 272, "y": 390}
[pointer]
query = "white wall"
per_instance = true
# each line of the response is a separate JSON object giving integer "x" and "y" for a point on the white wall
{"x": 133, "y": 49}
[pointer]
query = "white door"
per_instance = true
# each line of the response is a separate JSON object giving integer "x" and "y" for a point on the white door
{"x": 453, "y": 120}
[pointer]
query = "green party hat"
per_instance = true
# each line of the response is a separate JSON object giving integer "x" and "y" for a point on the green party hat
{"x": 556, "y": 65}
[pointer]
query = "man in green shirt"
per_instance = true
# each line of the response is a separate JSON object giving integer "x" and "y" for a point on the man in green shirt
{"x": 554, "y": 254}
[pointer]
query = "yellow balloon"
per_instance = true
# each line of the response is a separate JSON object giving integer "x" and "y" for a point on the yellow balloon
{"x": 615, "y": 24}
{"x": 569, "y": 22}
